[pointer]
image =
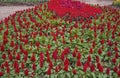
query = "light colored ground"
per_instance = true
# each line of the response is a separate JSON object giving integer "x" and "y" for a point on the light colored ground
{"x": 7, "y": 10}
{"x": 100, "y": 2}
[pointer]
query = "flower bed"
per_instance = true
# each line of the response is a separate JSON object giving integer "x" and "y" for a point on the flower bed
{"x": 73, "y": 8}
{"x": 36, "y": 43}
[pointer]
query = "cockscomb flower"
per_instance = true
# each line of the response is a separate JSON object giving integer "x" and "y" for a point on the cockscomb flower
{"x": 41, "y": 59}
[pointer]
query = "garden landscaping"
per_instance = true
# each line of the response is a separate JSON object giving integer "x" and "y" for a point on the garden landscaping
{"x": 61, "y": 38}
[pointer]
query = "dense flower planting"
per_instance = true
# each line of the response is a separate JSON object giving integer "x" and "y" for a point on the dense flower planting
{"x": 36, "y": 43}
{"x": 73, "y": 8}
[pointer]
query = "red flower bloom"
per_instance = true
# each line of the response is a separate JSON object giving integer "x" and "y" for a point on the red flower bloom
{"x": 116, "y": 55}
{"x": 26, "y": 72}
{"x": 89, "y": 58}
{"x": 109, "y": 53}
{"x": 92, "y": 67}
{"x": 17, "y": 69}
{"x": 37, "y": 44}
{"x": 66, "y": 67}
{"x": 1, "y": 73}
{"x": 8, "y": 70}
{"x": 91, "y": 50}
{"x": 101, "y": 68}
{"x": 12, "y": 43}
{"x": 55, "y": 54}
{"x": 2, "y": 48}
{"x": 18, "y": 56}
{"x": 15, "y": 64}
{"x": 85, "y": 67}
{"x": 102, "y": 41}
{"x": 108, "y": 71}
{"x": 79, "y": 55}
{"x": 97, "y": 59}
{"x": 74, "y": 53}
{"x": 100, "y": 51}
{"x": 118, "y": 73}
{"x": 34, "y": 66}
{"x": 56, "y": 69}
{"x": 116, "y": 49}
{"x": 49, "y": 71}
{"x": 114, "y": 60}
{"x": 33, "y": 58}
{"x": 41, "y": 59}
{"x": 22, "y": 65}
{"x": 78, "y": 63}
{"x": 74, "y": 71}
{"x": 3, "y": 56}
{"x": 115, "y": 69}
{"x": 51, "y": 64}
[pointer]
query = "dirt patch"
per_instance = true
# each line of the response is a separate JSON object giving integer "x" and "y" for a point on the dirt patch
{"x": 20, "y": 3}
{"x": 7, "y": 10}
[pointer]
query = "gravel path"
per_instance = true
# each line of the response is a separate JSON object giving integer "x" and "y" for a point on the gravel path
{"x": 7, "y": 10}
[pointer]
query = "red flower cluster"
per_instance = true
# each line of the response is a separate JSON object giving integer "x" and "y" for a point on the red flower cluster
{"x": 73, "y": 8}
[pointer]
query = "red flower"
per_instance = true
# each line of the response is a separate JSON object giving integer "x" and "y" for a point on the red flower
{"x": 62, "y": 56}
{"x": 17, "y": 69}
{"x": 25, "y": 58}
{"x": 101, "y": 68}
{"x": 26, "y": 71}
{"x": 34, "y": 66}
{"x": 37, "y": 44}
{"x": 12, "y": 43}
{"x": 56, "y": 69}
{"x": 92, "y": 67}
{"x": 116, "y": 49}
{"x": 66, "y": 67}
{"x": 74, "y": 53}
{"x": 33, "y": 58}
{"x": 85, "y": 67}
{"x": 79, "y": 55}
{"x": 114, "y": 60}
{"x": 74, "y": 71}
{"x": 18, "y": 56}
{"x": 89, "y": 58}
{"x": 1, "y": 73}
{"x": 108, "y": 71}
{"x": 93, "y": 44}
{"x": 116, "y": 55}
{"x": 118, "y": 73}
{"x": 66, "y": 64}
{"x": 8, "y": 70}
{"x": 22, "y": 65}
{"x": 102, "y": 41}
{"x": 6, "y": 63}
{"x": 15, "y": 64}
{"x": 100, "y": 51}
{"x": 109, "y": 53}
{"x": 41, "y": 59}
{"x": 55, "y": 54}
{"x": 91, "y": 50}
{"x": 51, "y": 64}
{"x": 3, "y": 56}
{"x": 110, "y": 43}
{"x": 97, "y": 59}
{"x": 49, "y": 71}
{"x": 78, "y": 63}
{"x": 115, "y": 69}
{"x": 66, "y": 50}
{"x": 2, "y": 48}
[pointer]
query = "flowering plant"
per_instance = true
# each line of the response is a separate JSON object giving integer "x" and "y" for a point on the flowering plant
{"x": 73, "y": 8}
{"x": 36, "y": 43}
